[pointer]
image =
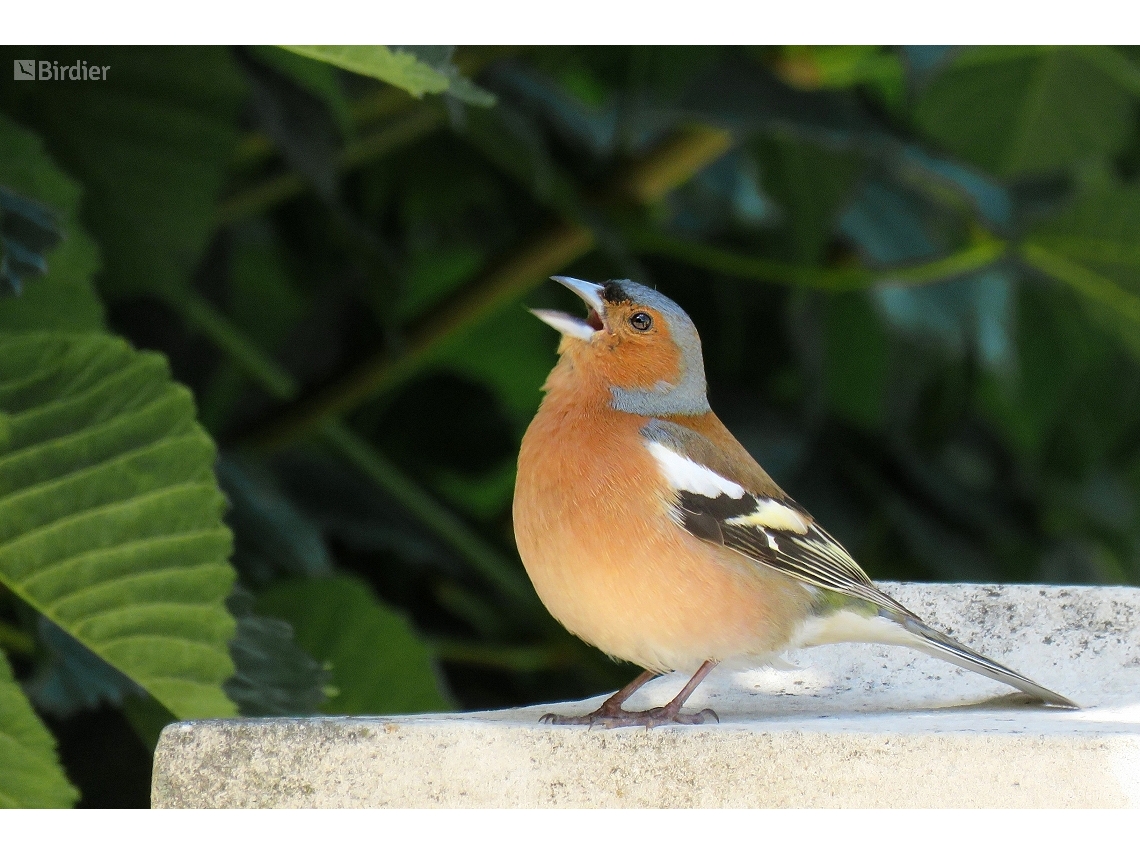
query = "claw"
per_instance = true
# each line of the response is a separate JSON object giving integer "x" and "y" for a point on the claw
{"x": 611, "y": 718}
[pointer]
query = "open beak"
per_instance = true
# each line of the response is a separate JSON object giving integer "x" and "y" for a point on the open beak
{"x": 583, "y": 328}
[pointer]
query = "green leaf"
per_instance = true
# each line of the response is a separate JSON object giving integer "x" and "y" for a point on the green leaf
{"x": 63, "y": 298}
{"x": 378, "y": 663}
{"x": 110, "y": 517}
{"x": 152, "y": 146}
{"x": 30, "y": 774}
{"x": 1020, "y": 111}
{"x": 395, "y": 66}
{"x": 1094, "y": 247}
{"x": 414, "y": 69}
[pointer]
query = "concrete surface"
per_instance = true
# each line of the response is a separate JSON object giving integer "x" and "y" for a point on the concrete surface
{"x": 851, "y": 726}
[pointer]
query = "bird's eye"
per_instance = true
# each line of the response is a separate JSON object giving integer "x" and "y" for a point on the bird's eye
{"x": 640, "y": 321}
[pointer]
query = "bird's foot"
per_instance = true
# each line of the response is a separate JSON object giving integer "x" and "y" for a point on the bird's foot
{"x": 618, "y": 717}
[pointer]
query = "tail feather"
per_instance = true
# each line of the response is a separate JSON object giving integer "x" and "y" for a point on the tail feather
{"x": 943, "y": 647}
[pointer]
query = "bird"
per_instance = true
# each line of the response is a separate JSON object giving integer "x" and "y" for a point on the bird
{"x": 649, "y": 531}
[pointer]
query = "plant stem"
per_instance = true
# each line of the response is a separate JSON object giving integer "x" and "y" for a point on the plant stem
{"x": 972, "y": 259}
{"x": 201, "y": 315}
{"x": 1087, "y": 282}
{"x": 1120, "y": 309}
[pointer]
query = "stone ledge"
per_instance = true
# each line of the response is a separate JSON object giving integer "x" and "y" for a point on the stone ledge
{"x": 851, "y": 726}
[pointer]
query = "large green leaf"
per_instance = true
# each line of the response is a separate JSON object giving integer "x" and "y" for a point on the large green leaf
{"x": 1021, "y": 110}
{"x": 1094, "y": 247}
{"x": 378, "y": 663}
{"x": 110, "y": 517}
{"x": 63, "y": 298}
{"x": 31, "y": 776}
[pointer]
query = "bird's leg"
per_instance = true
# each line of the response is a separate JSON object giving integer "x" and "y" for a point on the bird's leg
{"x": 611, "y": 714}
{"x": 672, "y": 710}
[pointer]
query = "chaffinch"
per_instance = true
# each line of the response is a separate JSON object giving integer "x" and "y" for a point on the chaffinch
{"x": 649, "y": 532}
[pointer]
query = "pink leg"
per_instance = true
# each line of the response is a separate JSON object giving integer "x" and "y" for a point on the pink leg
{"x": 611, "y": 714}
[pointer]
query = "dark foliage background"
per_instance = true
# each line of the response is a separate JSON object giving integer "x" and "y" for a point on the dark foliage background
{"x": 916, "y": 273}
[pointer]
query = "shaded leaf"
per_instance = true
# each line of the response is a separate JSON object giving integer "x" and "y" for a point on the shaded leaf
{"x": 726, "y": 194}
{"x": 1101, "y": 232}
{"x": 844, "y": 67}
{"x": 32, "y": 776}
{"x": 272, "y": 537}
{"x": 484, "y": 495}
{"x": 352, "y": 510}
{"x": 588, "y": 127}
{"x": 62, "y": 298}
{"x": 73, "y": 678}
{"x": 923, "y": 61}
{"x": 110, "y": 518}
{"x": 298, "y": 122}
{"x": 1018, "y": 111}
{"x": 888, "y": 224}
{"x": 273, "y": 676}
{"x": 378, "y": 663}
{"x": 938, "y": 176}
{"x": 974, "y": 312}
{"x": 749, "y": 98}
{"x": 264, "y": 302}
{"x": 151, "y": 145}
{"x": 319, "y": 78}
{"x": 27, "y": 231}
{"x": 1055, "y": 402}
{"x": 433, "y": 273}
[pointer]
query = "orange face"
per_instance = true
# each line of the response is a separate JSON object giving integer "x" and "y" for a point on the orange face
{"x": 636, "y": 344}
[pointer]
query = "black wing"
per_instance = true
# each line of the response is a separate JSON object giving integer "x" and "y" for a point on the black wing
{"x": 812, "y": 556}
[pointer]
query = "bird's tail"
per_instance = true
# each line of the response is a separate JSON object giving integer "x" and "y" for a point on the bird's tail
{"x": 944, "y": 647}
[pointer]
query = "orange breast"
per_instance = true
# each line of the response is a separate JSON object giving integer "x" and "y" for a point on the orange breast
{"x": 592, "y": 524}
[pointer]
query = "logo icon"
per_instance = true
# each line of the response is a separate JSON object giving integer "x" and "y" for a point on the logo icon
{"x": 25, "y": 69}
